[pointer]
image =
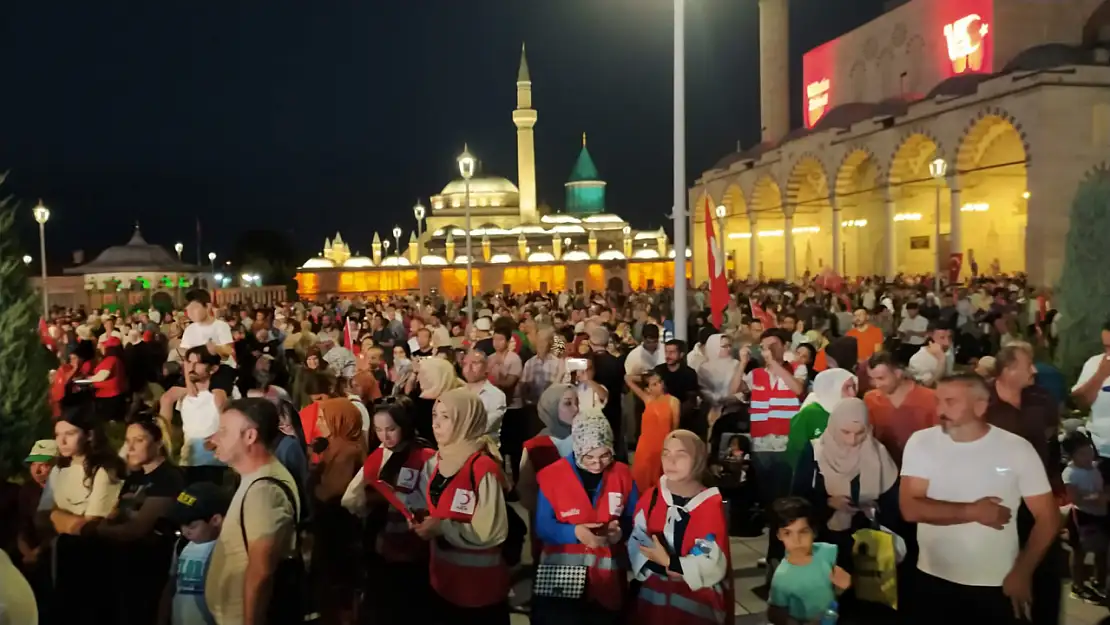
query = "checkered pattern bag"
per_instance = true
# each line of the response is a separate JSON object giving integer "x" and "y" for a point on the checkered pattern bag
{"x": 559, "y": 581}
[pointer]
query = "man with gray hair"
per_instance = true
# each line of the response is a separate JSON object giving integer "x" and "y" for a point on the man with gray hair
{"x": 476, "y": 373}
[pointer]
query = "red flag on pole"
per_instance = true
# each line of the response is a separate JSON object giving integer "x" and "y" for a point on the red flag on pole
{"x": 718, "y": 286}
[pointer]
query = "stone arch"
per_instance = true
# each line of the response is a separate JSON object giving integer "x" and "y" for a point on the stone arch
{"x": 766, "y": 196}
{"x": 914, "y": 193}
{"x": 736, "y": 224}
{"x": 766, "y": 205}
{"x": 807, "y": 193}
{"x": 859, "y": 200}
{"x": 991, "y": 174}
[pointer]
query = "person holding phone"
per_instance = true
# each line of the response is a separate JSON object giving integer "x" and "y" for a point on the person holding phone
{"x": 591, "y": 395}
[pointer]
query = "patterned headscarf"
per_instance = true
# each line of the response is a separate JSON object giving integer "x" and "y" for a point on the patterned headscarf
{"x": 588, "y": 433}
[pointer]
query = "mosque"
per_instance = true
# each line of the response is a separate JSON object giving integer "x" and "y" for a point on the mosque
{"x": 517, "y": 244}
{"x": 944, "y": 133}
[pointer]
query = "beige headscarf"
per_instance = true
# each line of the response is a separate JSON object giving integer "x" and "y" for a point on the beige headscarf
{"x": 697, "y": 450}
{"x": 436, "y": 377}
{"x": 840, "y": 464}
{"x": 468, "y": 415}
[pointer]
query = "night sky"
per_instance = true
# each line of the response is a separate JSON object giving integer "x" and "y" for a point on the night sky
{"x": 317, "y": 116}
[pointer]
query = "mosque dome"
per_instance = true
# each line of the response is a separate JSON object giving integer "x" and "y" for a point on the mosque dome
{"x": 585, "y": 188}
{"x": 136, "y": 254}
{"x": 318, "y": 263}
{"x": 358, "y": 261}
{"x": 482, "y": 184}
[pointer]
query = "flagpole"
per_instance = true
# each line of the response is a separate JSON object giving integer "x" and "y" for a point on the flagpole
{"x": 680, "y": 217}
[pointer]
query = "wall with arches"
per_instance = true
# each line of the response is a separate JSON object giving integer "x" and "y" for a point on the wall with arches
{"x": 1013, "y": 154}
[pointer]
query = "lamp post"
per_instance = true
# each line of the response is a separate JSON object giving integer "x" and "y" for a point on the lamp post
{"x": 42, "y": 214}
{"x": 212, "y": 260}
{"x": 466, "y": 168}
{"x": 680, "y": 216}
{"x": 397, "y": 238}
{"x": 178, "y": 247}
{"x": 418, "y": 212}
{"x": 721, "y": 212}
{"x": 937, "y": 170}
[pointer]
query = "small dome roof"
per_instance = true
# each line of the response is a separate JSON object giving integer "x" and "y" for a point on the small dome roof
{"x": 964, "y": 84}
{"x": 849, "y": 113}
{"x": 318, "y": 263}
{"x": 358, "y": 261}
{"x": 584, "y": 168}
{"x": 484, "y": 184}
{"x": 136, "y": 254}
{"x": 753, "y": 153}
{"x": 1048, "y": 56}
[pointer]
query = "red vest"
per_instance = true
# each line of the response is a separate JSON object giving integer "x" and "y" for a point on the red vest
{"x": 468, "y": 578}
{"x": 116, "y": 382}
{"x": 771, "y": 407}
{"x": 541, "y": 452}
{"x": 663, "y": 601}
{"x": 396, "y": 542}
{"x": 607, "y": 575}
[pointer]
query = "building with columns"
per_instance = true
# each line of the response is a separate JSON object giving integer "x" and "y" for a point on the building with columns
{"x": 516, "y": 244}
{"x": 942, "y": 132}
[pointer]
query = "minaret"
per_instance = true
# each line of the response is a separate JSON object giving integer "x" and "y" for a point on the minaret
{"x": 525, "y": 119}
{"x": 774, "y": 69}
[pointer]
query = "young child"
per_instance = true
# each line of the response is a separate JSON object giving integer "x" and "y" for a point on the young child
{"x": 806, "y": 583}
{"x": 1087, "y": 493}
{"x": 39, "y": 463}
{"x": 200, "y": 511}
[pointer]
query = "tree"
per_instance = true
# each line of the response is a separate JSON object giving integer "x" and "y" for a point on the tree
{"x": 268, "y": 253}
{"x": 1083, "y": 294}
{"x": 24, "y": 363}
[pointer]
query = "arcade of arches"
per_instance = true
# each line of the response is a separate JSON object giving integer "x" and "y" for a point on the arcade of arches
{"x": 862, "y": 222}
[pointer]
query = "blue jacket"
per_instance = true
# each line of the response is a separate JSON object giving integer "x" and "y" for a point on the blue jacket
{"x": 551, "y": 531}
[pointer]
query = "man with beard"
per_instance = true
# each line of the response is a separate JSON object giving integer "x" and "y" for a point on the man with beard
{"x": 961, "y": 483}
{"x": 897, "y": 406}
{"x": 200, "y": 405}
{"x": 869, "y": 338}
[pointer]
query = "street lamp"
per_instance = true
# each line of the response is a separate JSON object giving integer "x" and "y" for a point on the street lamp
{"x": 42, "y": 214}
{"x": 721, "y": 212}
{"x": 937, "y": 169}
{"x": 418, "y": 212}
{"x": 27, "y": 259}
{"x": 679, "y": 215}
{"x": 212, "y": 260}
{"x": 466, "y": 168}
{"x": 178, "y": 247}
{"x": 397, "y": 238}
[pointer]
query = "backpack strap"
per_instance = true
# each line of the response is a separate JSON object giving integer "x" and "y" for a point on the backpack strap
{"x": 288, "y": 493}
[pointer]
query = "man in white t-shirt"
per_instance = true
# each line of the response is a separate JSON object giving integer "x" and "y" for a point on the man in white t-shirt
{"x": 647, "y": 355}
{"x": 200, "y": 405}
{"x": 962, "y": 483}
{"x": 914, "y": 327}
{"x": 935, "y": 360}
{"x": 1093, "y": 389}
{"x": 476, "y": 374}
{"x": 206, "y": 329}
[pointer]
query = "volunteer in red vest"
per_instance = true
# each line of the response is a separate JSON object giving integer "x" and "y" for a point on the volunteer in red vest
{"x": 468, "y": 520}
{"x": 109, "y": 381}
{"x": 679, "y": 547}
{"x": 774, "y": 396}
{"x": 557, "y": 409}
{"x": 583, "y": 518}
{"x": 397, "y": 578}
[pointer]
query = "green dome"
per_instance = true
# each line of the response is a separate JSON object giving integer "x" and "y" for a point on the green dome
{"x": 585, "y": 189}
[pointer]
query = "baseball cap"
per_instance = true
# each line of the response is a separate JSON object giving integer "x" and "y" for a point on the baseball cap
{"x": 42, "y": 451}
{"x": 199, "y": 502}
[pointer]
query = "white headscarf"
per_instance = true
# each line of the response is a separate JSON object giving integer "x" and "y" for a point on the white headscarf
{"x": 716, "y": 373}
{"x": 828, "y": 388}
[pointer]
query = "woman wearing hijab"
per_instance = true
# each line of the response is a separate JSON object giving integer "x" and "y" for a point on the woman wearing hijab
{"x": 397, "y": 586}
{"x": 583, "y": 517}
{"x": 468, "y": 520}
{"x": 719, "y": 379}
{"x": 557, "y": 409}
{"x": 679, "y": 546}
{"x": 845, "y": 473}
{"x": 435, "y": 377}
{"x": 335, "y": 553}
{"x": 829, "y": 388}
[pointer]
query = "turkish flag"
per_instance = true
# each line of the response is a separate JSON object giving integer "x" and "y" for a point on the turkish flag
{"x": 718, "y": 286}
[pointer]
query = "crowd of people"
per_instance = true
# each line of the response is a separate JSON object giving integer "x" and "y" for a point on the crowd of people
{"x": 386, "y": 460}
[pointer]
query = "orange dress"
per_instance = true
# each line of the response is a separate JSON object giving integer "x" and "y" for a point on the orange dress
{"x": 656, "y": 423}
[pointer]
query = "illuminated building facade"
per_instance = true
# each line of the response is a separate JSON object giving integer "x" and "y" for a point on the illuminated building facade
{"x": 517, "y": 245}
{"x": 982, "y": 115}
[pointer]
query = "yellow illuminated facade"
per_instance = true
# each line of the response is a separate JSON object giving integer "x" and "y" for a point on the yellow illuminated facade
{"x": 517, "y": 245}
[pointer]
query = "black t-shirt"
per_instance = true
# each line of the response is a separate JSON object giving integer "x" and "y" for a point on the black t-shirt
{"x": 485, "y": 346}
{"x": 681, "y": 383}
{"x": 164, "y": 481}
